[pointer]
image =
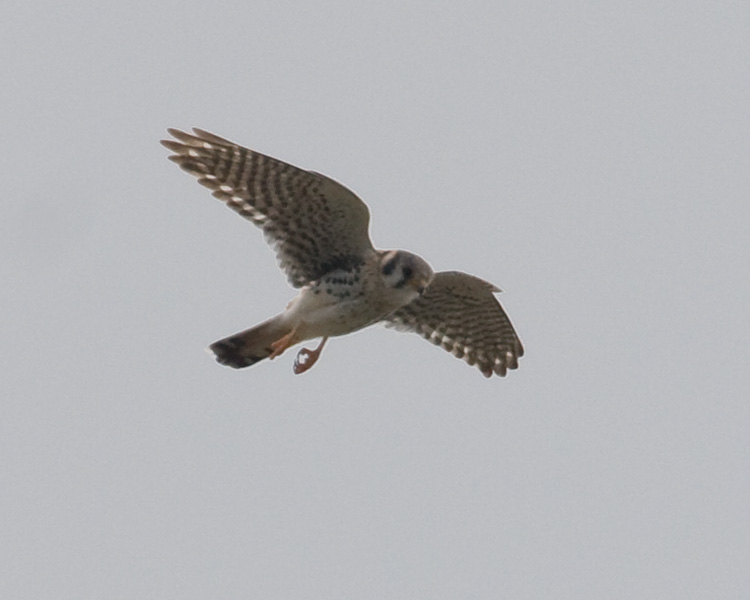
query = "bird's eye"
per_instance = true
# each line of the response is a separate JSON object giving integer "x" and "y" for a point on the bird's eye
{"x": 407, "y": 272}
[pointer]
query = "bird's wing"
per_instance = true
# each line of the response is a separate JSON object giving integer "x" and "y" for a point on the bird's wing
{"x": 460, "y": 313}
{"x": 314, "y": 223}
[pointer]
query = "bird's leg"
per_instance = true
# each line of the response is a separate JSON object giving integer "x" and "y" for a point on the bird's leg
{"x": 307, "y": 358}
{"x": 283, "y": 343}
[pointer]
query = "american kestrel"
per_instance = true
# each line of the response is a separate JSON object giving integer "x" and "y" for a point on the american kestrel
{"x": 319, "y": 230}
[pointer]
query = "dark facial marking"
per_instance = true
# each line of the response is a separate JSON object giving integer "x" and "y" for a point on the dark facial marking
{"x": 406, "y": 275}
{"x": 390, "y": 265}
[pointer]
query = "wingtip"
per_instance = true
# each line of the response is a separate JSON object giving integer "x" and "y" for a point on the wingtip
{"x": 171, "y": 145}
{"x": 207, "y": 136}
{"x": 195, "y": 137}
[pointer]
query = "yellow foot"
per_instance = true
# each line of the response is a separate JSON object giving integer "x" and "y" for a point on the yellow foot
{"x": 307, "y": 358}
{"x": 283, "y": 343}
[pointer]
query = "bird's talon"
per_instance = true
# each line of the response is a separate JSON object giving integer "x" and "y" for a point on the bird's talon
{"x": 306, "y": 358}
{"x": 303, "y": 361}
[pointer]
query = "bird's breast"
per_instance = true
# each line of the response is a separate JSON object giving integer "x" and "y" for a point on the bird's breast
{"x": 339, "y": 303}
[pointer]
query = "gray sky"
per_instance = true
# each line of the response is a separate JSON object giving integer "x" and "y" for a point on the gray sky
{"x": 592, "y": 159}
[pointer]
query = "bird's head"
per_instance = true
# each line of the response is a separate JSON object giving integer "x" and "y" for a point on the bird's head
{"x": 406, "y": 272}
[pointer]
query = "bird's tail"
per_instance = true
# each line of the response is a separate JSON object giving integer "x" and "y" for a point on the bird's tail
{"x": 252, "y": 345}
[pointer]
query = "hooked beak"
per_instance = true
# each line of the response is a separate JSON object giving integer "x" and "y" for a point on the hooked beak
{"x": 421, "y": 285}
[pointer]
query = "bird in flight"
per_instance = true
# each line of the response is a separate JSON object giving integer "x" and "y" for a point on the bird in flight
{"x": 319, "y": 230}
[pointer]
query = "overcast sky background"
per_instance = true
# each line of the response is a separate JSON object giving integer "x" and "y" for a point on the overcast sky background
{"x": 590, "y": 158}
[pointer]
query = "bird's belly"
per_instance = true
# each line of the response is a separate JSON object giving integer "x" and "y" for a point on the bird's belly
{"x": 326, "y": 315}
{"x": 339, "y": 319}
